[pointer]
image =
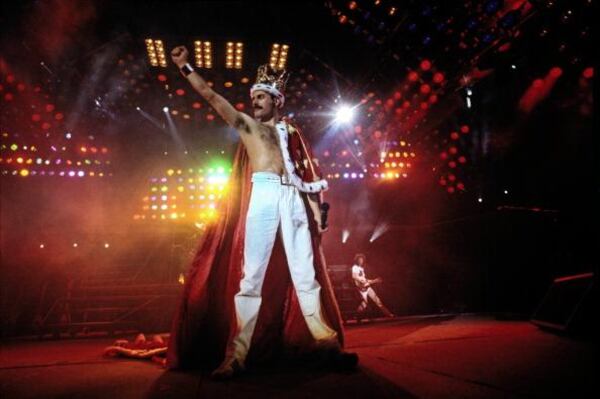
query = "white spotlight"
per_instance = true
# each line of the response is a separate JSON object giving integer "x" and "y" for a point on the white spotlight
{"x": 344, "y": 114}
{"x": 345, "y": 235}
{"x": 165, "y": 109}
{"x": 380, "y": 229}
{"x": 138, "y": 108}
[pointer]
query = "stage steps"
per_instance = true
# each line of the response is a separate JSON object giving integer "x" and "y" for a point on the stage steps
{"x": 109, "y": 302}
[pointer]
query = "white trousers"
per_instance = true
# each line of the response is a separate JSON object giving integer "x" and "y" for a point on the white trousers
{"x": 368, "y": 293}
{"x": 274, "y": 203}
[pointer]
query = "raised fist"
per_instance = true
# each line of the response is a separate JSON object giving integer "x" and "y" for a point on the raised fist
{"x": 179, "y": 55}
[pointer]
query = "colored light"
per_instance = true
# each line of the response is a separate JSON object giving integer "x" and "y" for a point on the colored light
{"x": 556, "y": 72}
{"x": 425, "y": 65}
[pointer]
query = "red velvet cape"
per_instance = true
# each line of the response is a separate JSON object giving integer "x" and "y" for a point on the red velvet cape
{"x": 205, "y": 318}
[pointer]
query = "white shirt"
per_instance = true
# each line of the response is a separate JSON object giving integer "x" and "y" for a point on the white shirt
{"x": 358, "y": 275}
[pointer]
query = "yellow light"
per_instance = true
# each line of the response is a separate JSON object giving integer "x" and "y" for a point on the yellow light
{"x": 24, "y": 172}
{"x": 19, "y": 160}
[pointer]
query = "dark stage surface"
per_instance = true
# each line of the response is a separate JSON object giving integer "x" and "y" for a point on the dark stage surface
{"x": 466, "y": 356}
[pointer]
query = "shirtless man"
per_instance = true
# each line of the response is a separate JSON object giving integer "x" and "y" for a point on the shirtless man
{"x": 275, "y": 202}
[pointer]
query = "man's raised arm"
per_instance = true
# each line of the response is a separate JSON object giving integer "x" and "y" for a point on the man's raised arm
{"x": 179, "y": 55}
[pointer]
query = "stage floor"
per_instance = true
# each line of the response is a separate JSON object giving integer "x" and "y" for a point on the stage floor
{"x": 466, "y": 356}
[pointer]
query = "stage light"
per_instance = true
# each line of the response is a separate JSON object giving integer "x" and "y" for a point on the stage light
{"x": 344, "y": 114}
{"x": 156, "y": 52}
{"x": 480, "y": 200}
{"x": 468, "y": 102}
{"x": 166, "y": 109}
{"x": 42, "y": 246}
{"x": 513, "y": 66}
{"x": 75, "y": 245}
{"x": 106, "y": 245}
{"x": 380, "y": 229}
{"x": 506, "y": 192}
{"x": 345, "y": 236}
{"x": 278, "y": 57}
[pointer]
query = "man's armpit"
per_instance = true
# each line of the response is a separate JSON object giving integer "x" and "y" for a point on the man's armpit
{"x": 241, "y": 124}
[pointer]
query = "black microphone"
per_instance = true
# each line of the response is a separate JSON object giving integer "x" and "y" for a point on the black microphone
{"x": 324, "y": 210}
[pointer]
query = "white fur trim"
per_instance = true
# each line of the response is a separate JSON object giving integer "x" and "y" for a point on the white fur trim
{"x": 269, "y": 89}
{"x": 314, "y": 187}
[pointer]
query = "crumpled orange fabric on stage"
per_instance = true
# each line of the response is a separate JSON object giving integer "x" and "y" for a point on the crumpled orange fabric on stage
{"x": 205, "y": 317}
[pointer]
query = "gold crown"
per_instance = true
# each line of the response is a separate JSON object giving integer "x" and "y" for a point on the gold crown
{"x": 276, "y": 79}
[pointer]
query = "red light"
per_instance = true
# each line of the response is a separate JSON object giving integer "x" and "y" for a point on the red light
{"x": 443, "y": 155}
{"x": 443, "y": 182}
{"x": 413, "y": 76}
{"x": 20, "y": 87}
{"x": 464, "y": 129}
{"x": 425, "y": 89}
{"x": 49, "y": 107}
{"x": 460, "y": 186}
{"x": 433, "y": 99}
{"x": 451, "y": 190}
{"x": 397, "y": 95}
{"x": 424, "y": 106}
{"x": 343, "y": 19}
{"x": 59, "y": 116}
{"x": 8, "y": 97}
{"x": 389, "y": 103}
{"x": 196, "y": 105}
{"x": 399, "y": 111}
{"x": 556, "y": 72}
{"x": 454, "y": 136}
{"x": 462, "y": 159}
{"x": 180, "y": 92}
{"x": 239, "y": 106}
{"x": 438, "y": 77}
{"x": 406, "y": 104}
{"x": 452, "y": 164}
{"x": 10, "y": 78}
{"x": 162, "y": 78}
{"x": 358, "y": 129}
{"x": 46, "y": 126}
{"x": 36, "y": 117}
{"x": 453, "y": 150}
{"x": 210, "y": 117}
{"x": 588, "y": 73}
{"x": 451, "y": 177}
{"x": 425, "y": 65}
{"x": 538, "y": 83}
